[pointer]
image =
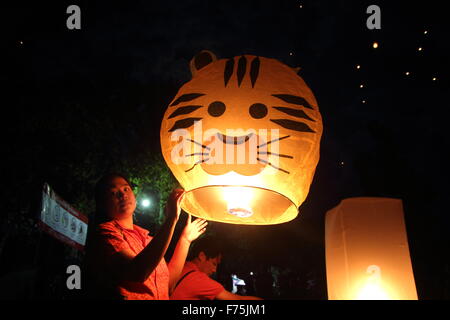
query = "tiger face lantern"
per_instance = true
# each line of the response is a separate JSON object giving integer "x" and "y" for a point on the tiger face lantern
{"x": 242, "y": 137}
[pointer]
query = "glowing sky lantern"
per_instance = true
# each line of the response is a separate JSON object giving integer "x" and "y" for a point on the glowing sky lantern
{"x": 367, "y": 254}
{"x": 242, "y": 137}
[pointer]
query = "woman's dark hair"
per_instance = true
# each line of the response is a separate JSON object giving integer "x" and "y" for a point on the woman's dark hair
{"x": 208, "y": 245}
{"x": 101, "y": 187}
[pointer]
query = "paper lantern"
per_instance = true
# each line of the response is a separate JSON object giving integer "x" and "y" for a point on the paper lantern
{"x": 367, "y": 255}
{"x": 242, "y": 138}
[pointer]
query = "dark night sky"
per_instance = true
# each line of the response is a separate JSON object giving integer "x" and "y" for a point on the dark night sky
{"x": 392, "y": 145}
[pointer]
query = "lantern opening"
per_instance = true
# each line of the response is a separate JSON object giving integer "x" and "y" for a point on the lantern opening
{"x": 239, "y": 205}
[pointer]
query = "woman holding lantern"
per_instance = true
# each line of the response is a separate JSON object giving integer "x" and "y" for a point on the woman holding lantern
{"x": 122, "y": 260}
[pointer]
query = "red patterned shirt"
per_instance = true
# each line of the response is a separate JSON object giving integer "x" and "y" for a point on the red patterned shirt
{"x": 110, "y": 238}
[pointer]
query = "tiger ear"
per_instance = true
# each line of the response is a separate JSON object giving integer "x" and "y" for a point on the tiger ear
{"x": 297, "y": 69}
{"x": 200, "y": 60}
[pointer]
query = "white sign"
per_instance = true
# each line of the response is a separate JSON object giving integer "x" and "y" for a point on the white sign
{"x": 61, "y": 220}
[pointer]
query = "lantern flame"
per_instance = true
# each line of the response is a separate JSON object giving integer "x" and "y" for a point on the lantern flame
{"x": 373, "y": 291}
{"x": 373, "y": 288}
{"x": 238, "y": 201}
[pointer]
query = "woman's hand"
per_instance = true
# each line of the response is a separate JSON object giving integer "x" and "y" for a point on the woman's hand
{"x": 173, "y": 204}
{"x": 193, "y": 230}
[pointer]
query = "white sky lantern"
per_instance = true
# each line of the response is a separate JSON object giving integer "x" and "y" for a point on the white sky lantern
{"x": 242, "y": 138}
{"x": 367, "y": 253}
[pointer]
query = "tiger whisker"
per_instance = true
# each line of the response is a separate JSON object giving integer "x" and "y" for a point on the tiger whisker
{"x": 278, "y": 139}
{"x": 203, "y": 146}
{"x": 267, "y": 162}
{"x": 276, "y": 154}
{"x": 197, "y": 154}
{"x": 198, "y": 162}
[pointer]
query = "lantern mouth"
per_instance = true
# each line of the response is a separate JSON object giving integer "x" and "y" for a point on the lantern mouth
{"x": 233, "y": 139}
{"x": 239, "y": 204}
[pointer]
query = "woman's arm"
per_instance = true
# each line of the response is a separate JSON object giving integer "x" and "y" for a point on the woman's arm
{"x": 191, "y": 231}
{"x": 126, "y": 266}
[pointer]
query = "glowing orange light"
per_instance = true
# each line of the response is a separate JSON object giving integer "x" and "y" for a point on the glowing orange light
{"x": 239, "y": 201}
{"x": 361, "y": 264}
{"x": 375, "y": 45}
{"x": 372, "y": 286}
{"x": 372, "y": 292}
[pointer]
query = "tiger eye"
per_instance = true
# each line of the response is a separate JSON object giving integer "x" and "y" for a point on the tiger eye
{"x": 216, "y": 109}
{"x": 258, "y": 110}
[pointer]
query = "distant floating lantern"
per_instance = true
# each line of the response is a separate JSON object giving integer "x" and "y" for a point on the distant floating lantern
{"x": 366, "y": 248}
{"x": 242, "y": 138}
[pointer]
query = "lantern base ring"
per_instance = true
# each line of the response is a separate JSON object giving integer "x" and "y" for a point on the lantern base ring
{"x": 239, "y": 204}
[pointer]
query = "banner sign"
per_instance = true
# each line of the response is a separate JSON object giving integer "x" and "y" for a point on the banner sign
{"x": 61, "y": 220}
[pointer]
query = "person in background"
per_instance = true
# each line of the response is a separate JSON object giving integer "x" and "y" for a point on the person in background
{"x": 122, "y": 260}
{"x": 195, "y": 283}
